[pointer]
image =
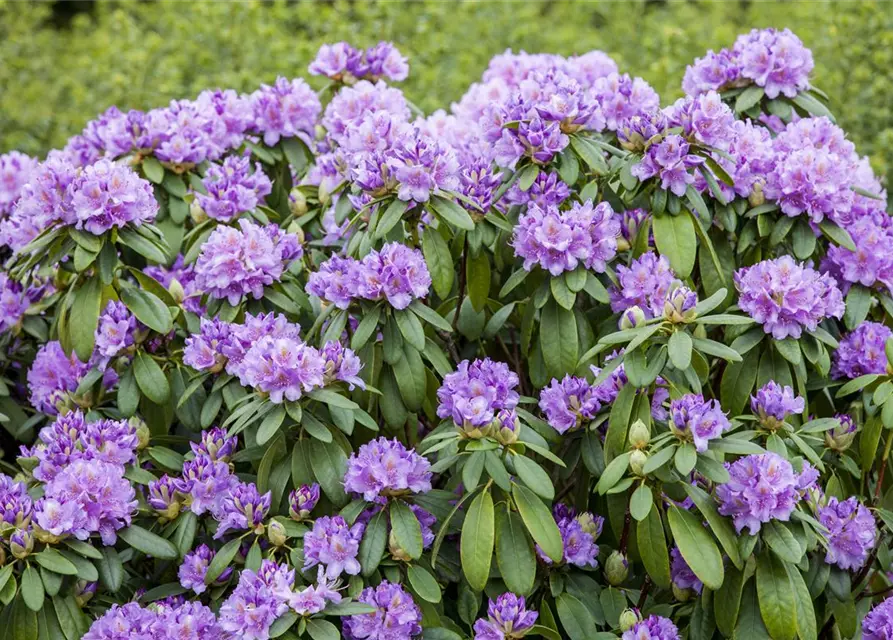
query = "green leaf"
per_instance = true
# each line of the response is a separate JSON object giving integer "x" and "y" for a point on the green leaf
{"x": 111, "y": 570}
{"x": 153, "y": 170}
{"x": 514, "y": 553}
{"x": 776, "y": 597}
{"x": 329, "y": 464}
{"x": 738, "y": 380}
{"x": 858, "y": 303}
{"x": 838, "y": 235}
{"x": 696, "y": 547}
{"x": 51, "y": 559}
{"x": 640, "y": 503}
{"x": 782, "y": 541}
{"x": 727, "y": 601}
{"x": 539, "y": 522}
{"x": 222, "y": 559}
{"x": 558, "y": 337}
{"x": 410, "y": 328}
{"x": 424, "y": 583}
{"x": 32, "y": 589}
{"x": 141, "y": 245}
{"x": 619, "y": 421}
{"x": 451, "y": 213}
{"x": 590, "y": 154}
{"x": 333, "y": 398}
{"x": 476, "y": 542}
{"x": 270, "y": 424}
{"x": 575, "y": 618}
{"x": 406, "y": 529}
{"x": 22, "y": 622}
{"x": 748, "y": 98}
{"x": 85, "y": 317}
{"x": 653, "y": 548}
{"x": 805, "y": 610}
{"x": 477, "y": 276}
{"x": 373, "y": 544}
{"x": 676, "y": 239}
{"x": 439, "y": 261}
{"x": 366, "y": 328}
{"x": 717, "y": 349}
{"x": 430, "y": 316}
{"x": 534, "y": 476}
{"x": 149, "y": 543}
{"x": 686, "y": 457}
{"x": 150, "y": 378}
{"x": 721, "y": 526}
{"x": 148, "y": 309}
{"x": 320, "y": 629}
{"x": 679, "y": 347}
{"x": 390, "y": 218}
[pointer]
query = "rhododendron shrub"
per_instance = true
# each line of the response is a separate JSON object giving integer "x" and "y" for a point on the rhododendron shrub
{"x": 555, "y": 362}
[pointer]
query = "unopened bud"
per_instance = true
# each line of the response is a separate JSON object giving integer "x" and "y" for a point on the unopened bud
{"x": 756, "y": 197}
{"x": 639, "y": 435}
{"x": 21, "y": 543}
{"x": 506, "y": 427}
{"x": 83, "y": 592}
{"x": 276, "y": 534}
{"x": 841, "y": 437}
{"x": 616, "y": 568}
{"x": 680, "y": 305}
{"x": 682, "y": 595}
{"x": 629, "y": 618}
{"x": 632, "y": 318}
{"x": 178, "y": 293}
{"x": 637, "y": 460}
{"x": 196, "y": 212}
{"x": 297, "y": 202}
{"x": 142, "y": 432}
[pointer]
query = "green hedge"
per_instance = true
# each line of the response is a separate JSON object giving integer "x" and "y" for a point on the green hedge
{"x": 139, "y": 55}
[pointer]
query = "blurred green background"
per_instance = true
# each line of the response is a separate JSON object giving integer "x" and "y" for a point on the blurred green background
{"x": 60, "y": 65}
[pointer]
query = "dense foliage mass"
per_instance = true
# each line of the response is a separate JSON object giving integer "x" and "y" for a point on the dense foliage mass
{"x": 558, "y": 362}
{"x": 142, "y": 54}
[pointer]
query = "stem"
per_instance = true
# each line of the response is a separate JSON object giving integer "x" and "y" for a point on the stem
{"x": 461, "y": 298}
{"x": 626, "y": 526}
{"x": 865, "y": 569}
{"x": 644, "y": 594}
{"x": 880, "y": 475}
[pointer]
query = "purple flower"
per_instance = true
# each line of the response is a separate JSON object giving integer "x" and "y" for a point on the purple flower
{"x": 775, "y": 60}
{"x": 548, "y": 190}
{"x": 871, "y": 265}
{"x": 578, "y": 536}
{"x": 333, "y": 60}
{"x": 115, "y": 332}
{"x": 384, "y": 61}
{"x": 421, "y": 165}
{"x": 336, "y": 281}
{"x": 107, "y": 195}
{"x": 15, "y": 298}
{"x": 786, "y": 297}
{"x": 334, "y": 544}
{"x": 179, "y": 279}
{"x": 878, "y": 624}
{"x": 569, "y": 402}
{"x": 243, "y": 509}
{"x": 861, "y": 351}
{"x": 507, "y": 618}
{"x": 342, "y": 62}
{"x": 713, "y": 72}
{"x": 256, "y": 602}
{"x": 204, "y": 350}
{"x": 653, "y": 628}
{"x": 53, "y": 376}
{"x": 237, "y": 262}
{"x": 682, "y": 575}
{"x": 233, "y": 188}
{"x": 774, "y": 403}
{"x": 762, "y": 488}
{"x": 302, "y": 500}
{"x": 287, "y": 109}
{"x": 194, "y": 568}
{"x": 15, "y": 503}
{"x": 698, "y": 420}
{"x": 852, "y": 532}
{"x": 15, "y": 172}
{"x": 558, "y": 241}
{"x": 671, "y": 161}
{"x": 215, "y": 444}
{"x": 342, "y": 364}
{"x": 285, "y": 368}
{"x": 386, "y": 468}
{"x": 476, "y": 391}
{"x": 208, "y": 484}
{"x": 645, "y": 283}
{"x": 396, "y": 617}
{"x": 165, "y": 495}
{"x": 351, "y": 105}
{"x": 704, "y": 119}
{"x": 621, "y": 96}
{"x": 119, "y": 622}
{"x": 234, "y": 111}
{"x": 103, "y": 501}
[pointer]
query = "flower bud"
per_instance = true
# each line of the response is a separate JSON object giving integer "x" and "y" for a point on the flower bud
{"x": 297, "y": 202}
{"x": 629, "y": 618}
{"x": 639, "y": 435}
{"x": 196, "y": 212}
{"x": 276, "y": 534}
{"x": 473, "y": 432}
{"x": 397, "y": 552}
{"x": 841, "y": 437}
{"x": 683, "y": 595}
{"x": 637, "y": 460}
{"x": 616, "y": 568}
{"x": 632, "y": 318}
{"x": 591, "y": 524}
{"x": 295, "y": 229}
{"x": 302, "y": 500}
{"x": 506, "y": 427}
{"x": 83, "y": 592}
{"x": 178, "y": 293}
{"x": 756, "y": 197}
{"x": 21, "y": 543}
{"x": 680, "y": 305}
{"x": 142, "y": 432}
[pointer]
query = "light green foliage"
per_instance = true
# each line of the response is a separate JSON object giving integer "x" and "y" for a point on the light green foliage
{"x": 141, "y": 55}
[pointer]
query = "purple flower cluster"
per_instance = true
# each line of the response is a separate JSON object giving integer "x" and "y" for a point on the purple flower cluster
{"x": 645, "y": 283}
{"x": 682, "y": 575}
{"x": 871, "y": 264}
{"x": 396, "y": 617}
{"x": 179, "y": 280}
{"x": 751, "y": 158}
{"x": 215, "y": 444}
{"x": 861, "y": 351}
{"x": 15, "y": 298}
{"x": 334, "y": 544}
{"x": 672, "y": 161}
{"x": 243, "y": 509}
{"x": 476, "y": 391}
{"x": 773, "y": 403}
{"x": 762, "y": 488}
{"x": 384, "y": 468}
{"x": 16, "y": 505}
{"x": 852, "y": 532}
{"x": 107, "y": 195}
{"x": 704, "y": 119}
{"x": 571, "y": 401}
{"x": 559, "y": 241}
{"x": 195, "y": 567}
{"x": 115, "y": 332}
{"x": 287, "y": 109}
{"x": 342, "y": 62}
{"x": 396, "y": 273}
{"x": 302, "y": 500}
{"x": 578, "y": 535}
{"x": 652, "y": 628}
{"x": 233, "y": 188}
{"x": 170, "y": 619}
{"x": 698, "y": 420}
{"x": 15, "y": 172}
{"x": 507, "y": 617}
{"x": 52, "y": 377}
{"x": 786, "y": 297}
{"x": 621, "y": 97}
{"x": 775, "y": 60}
{"x": 878, "y": 624}
{"x": 86, "y": 497}
{"x": 237, "y": 262}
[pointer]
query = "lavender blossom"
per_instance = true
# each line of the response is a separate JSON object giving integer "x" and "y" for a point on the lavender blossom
{"x": 774, "y": 403}
{"x": 507, "y": 618}
{"x": 775, "y": 60}
{"x": 302, "y": 500}
{"x": 578, "y": 536}
{"x": 645, "y": 283}
{"x": 682, "y": 575}
{"x": 107, "y": 195}
{"x": 386, "y": 468}
{"x": 878, "y": 624}
{"x": 287, "y": 109}
{"x": 671, "y": 161}
{"x": 334, "y": 544}
{"x": 15, "y": 503}
{"x": 15, "y": 172}
{"x": 233, "y": 188}
{"x": 852, "y": 532}
{"x": 208, "y": 484}
{"x": 476, "y": 391}
{"x": 396, "y": 617}
{"x": 216, "y": 445}
{"x": 285, "y": 368}
{"x": 115, "y": 332}
{"x": 570, "y": 402}
{"x": 53, "y": 377}
{"x": 244, "y": 509}
{"x": 652, "y": 628}
{"x": 258, "y": 599}
{"x": 861, "y": 351}
{"x": 698, "y": 420}
{"x": 194, "y": 568}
